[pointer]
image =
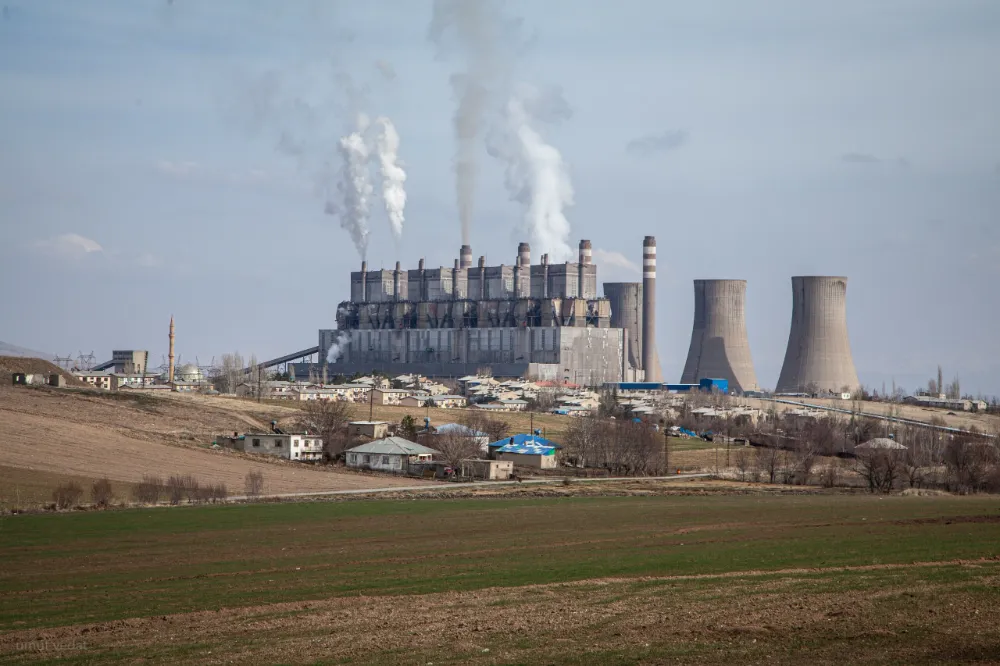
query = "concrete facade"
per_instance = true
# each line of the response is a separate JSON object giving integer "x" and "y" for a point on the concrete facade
{"x": 626, "y": 314}
{"x": 719, "y": 346}
{"x": 818, "y": 356}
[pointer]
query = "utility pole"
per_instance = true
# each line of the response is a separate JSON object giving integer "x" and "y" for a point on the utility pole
{"x": 666, "y": 449}
{"x": 371, "y": 399}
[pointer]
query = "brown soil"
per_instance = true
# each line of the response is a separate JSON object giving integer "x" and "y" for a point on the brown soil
{"x": 34, "y": 366}
{"x": 94, "y": 434}
{"x": 749, "y": 616}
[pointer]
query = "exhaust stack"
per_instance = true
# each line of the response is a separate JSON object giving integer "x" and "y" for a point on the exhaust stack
{"x": 650, "y": 359}
{"x": 465, "y": 256}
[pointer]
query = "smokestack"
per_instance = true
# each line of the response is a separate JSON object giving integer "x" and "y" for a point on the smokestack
{"x": 719, "y": 347}
{"x": 364, "y": 281}
{"x": 545, "y": 276}
{"x": 517, "y": 277}
{"x": 482, "y": 278}
{"x": 422, "y": 289}
{"x": 524, "y": 261}
{"x": 586, "y": 251}
{"x": 395, "y": 282}
{"x": 170, "y": 354}
{"x": 465, "y": 254}
{"x": 819, "y": 351}
{"x": 650, "y": 360}
{"x": 454, "y": 281}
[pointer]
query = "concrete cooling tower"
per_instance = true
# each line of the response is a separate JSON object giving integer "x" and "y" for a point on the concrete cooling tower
{"x": 626, "y": 313}
{"x": 818, "y": 357}
{"x": 719, "y": 346}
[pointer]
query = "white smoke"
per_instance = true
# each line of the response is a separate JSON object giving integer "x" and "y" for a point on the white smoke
{"x": 340, "y": 343}
{"x": 536, "y": 175}
{"x": 355, "y": 186}
{"x": 393, "y": 175}
{"x": 485, "y": 41}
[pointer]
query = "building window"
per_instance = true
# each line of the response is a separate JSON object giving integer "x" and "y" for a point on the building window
{"x": 368, "y": 459}
{"x": 256, "y": 442}
{"x": 385, "y": 460}
{"x": 277, "y": 443}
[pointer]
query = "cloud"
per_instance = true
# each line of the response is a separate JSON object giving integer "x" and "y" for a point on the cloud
{"x": 69, "y": 245}
{"x": 615, "y": 260}
{"x": 651, "y": 144}
{"x": 865, "y": 159}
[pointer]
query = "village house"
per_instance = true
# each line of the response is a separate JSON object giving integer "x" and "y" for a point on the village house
{"x": 389, "y": 396}
{"x": 371, "y": 429}
{"x": 490, "y": 470}
{"x": 527, "y": 450}
{"x": 291, "y": 446}
{"x": 391, "y": 454}
{"x": 98, "y": 379}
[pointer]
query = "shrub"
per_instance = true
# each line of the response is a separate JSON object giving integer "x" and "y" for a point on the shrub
{"x": 67, "y": 495}
{"x": 182, "y": 486}
{"x": 254, "y": 483}
{"x": 148, "y": 490}
{"x": 101, "y": 493}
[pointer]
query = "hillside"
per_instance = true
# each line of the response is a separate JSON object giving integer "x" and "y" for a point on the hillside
{"x": 51, "y": 435}
{"x": 33, "y": 366}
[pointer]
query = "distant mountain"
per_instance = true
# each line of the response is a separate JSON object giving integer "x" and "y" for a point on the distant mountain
{"x": 13, "y": 350}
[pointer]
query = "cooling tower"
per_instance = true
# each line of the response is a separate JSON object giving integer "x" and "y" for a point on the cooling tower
{"x": 626, "y": 313}
{"x": 819, "y": 352}
{"x": 650, "y": 359}
{"x": 719, "y": 347}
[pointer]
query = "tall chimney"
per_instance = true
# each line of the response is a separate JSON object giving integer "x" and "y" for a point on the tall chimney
{"x": 170, "y": 354}
{"x": 586, "y": 251}
{"x": 465, "y": 254}
{"x": 517, "y": 276}
{"x": 524, "y": 259}
{"x": 650, "y": 362}
{"x": 545, "y": 276}
{"x": 423, "y": 287}
{"x": 482, "y": 278}
{"x": 454, "y": 281}
{"x": 364, "y": 281}
{"x": 395, "y": 283}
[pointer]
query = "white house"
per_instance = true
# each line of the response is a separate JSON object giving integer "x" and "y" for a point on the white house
{"x": 392, "y": 454}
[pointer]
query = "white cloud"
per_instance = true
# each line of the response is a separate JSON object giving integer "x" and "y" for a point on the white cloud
{"x": 69, "y": 245}
{"x": 615, "y": 260}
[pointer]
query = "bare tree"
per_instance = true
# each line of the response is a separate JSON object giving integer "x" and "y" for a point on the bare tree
{"x": 253, "y": 483}
{"x": 969, "y": 463}
{"x": 148, "y": 490}
{"x": 880, "y": 468}
{"x": 742, "y": 458}
{"x": 101, "y": 493}
{"x": 328, "y": 419}
{"x": 230, "y": 374}
{"x": 67, "y": 495}
{"x": 769, "y": 461}
{"x": 455, "y": 447}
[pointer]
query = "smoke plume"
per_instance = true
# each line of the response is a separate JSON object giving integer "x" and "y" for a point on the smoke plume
{"x": 355, "y": 186}
{"x": 337, "y": 348}
{"x": 393, "y": 175}
{"x": 476, "y": 30}
{"x": 536, "y": 175}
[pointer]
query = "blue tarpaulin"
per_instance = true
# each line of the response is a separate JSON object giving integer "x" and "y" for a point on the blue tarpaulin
{"x": 526, "y": 444}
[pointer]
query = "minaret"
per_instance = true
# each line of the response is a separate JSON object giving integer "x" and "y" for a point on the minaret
{"x": 170, "y": 355}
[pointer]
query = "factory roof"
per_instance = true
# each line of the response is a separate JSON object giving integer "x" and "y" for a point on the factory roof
{"x": 393, "y": 445}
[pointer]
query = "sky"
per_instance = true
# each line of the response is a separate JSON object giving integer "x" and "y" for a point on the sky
{"x": 162, "y": 158}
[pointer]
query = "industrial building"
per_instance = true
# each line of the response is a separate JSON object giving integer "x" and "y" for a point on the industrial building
{"x": 544, "y": 321}
{"x": 818, "y": 358}
{"x": 719, "y": 346}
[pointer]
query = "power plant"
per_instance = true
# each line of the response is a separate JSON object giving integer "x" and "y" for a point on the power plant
{"x": 818, "y": 357}
{"x": 719, "y": 346}
{"x": 542, "y": 320}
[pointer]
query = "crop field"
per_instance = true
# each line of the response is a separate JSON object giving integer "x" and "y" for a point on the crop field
{"x": 709, "y": 579}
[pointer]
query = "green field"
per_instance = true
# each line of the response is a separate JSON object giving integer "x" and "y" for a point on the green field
{"x": 291, "y": 565}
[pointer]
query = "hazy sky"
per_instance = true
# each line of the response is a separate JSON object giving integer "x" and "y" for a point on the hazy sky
{"x": 147, "y": 166}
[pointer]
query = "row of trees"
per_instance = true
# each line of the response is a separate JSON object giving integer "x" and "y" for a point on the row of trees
{"x": 622, "y": 447}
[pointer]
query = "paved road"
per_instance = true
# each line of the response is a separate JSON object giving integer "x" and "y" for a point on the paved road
{"x": 464, "y": 486}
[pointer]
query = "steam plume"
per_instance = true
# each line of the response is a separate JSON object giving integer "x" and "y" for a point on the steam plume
{"x": 355, "y": 186}
{"x": 393, "y": 175}
{"x": 337, "y": 348}
{"x": 477, "y": 27}
{"x": 536, "y": 175}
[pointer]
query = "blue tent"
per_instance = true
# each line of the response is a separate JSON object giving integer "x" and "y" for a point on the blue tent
{"x": 526, "y": 444}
